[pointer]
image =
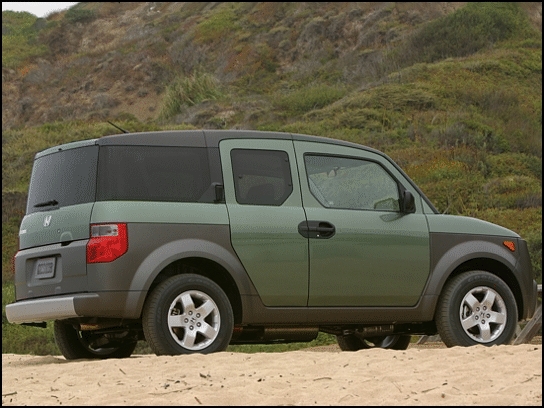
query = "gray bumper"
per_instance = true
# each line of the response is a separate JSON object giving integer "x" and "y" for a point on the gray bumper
{"x": 41, "y": 310}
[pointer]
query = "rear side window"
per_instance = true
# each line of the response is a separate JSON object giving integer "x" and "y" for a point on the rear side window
{"x": 261, "y": 177}
{"x": 65, "y": 178}
{"x": 152, "y": 173}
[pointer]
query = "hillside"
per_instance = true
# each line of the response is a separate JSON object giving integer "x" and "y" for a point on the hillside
{"x": 452, "y": 91}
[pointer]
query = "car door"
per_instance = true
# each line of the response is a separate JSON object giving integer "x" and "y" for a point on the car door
{"x": 262, "y": 193}
{"x": 363, "y": 250}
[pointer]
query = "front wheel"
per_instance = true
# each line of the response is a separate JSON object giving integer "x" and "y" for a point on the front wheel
{"x": 351, "y": 342}
{"x": 187, "y": 314}
{"x": 75, "y": 344}
{"x": 475, "y": 308}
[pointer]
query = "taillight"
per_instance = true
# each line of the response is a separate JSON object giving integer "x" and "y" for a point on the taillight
{"x": 108, "y": 242}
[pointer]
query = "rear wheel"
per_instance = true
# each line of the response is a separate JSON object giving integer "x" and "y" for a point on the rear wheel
{"x": 75, "y": 344}
{"x": 352, "y": 342}
{"x": 187, "y": 314}
{"x": 476, "y": 308}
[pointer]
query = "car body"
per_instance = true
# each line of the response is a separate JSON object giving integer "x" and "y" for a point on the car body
{"x": 193, "y": 240}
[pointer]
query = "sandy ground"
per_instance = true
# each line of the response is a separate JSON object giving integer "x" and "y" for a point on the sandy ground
{"x": 428, "y": 374}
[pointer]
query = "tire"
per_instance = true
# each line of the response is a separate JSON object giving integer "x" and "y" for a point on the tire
{"x": 475, "y": 308}
{"x": 353, "y": 343}
{"x": 187, "y": 314}
{"x": 76, "y": 344}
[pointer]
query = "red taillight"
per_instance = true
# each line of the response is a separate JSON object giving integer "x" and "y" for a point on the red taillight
{"x": 108, "y": 242}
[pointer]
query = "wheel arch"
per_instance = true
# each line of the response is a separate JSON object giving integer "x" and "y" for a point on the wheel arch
{"x": 475, "y": 255}
{"x": 202, "y": 257}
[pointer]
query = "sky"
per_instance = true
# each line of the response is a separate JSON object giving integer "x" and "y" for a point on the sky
{"x": 38, "y": 9}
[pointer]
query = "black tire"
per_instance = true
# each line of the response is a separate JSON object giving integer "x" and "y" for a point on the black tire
{"x": 76, "y": 344}
{"x": 485, "y": 304}
{"x": 187, "y": 314}
{"x": 353, "y": 343}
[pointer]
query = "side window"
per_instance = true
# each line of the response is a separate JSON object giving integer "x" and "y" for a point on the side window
{"x": 152, "y": 173}
{"x": 261, "y": 177}
{"x": 341, "y": 182}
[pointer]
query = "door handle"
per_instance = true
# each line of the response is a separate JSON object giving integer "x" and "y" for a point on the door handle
{"x": 316, "y": 229}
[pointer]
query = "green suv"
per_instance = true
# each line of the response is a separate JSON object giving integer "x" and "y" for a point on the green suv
{"x": 194, "y": 240}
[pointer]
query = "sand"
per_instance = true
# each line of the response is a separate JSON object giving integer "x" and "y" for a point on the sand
{"x": 421, "y": 375}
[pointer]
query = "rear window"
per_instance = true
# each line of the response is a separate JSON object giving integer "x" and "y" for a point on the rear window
{"x": 152, "y": 173}
{"x": 62, "y": 179}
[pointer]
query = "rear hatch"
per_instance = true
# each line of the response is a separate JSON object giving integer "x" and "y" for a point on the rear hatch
{"x": 55, "y": 230}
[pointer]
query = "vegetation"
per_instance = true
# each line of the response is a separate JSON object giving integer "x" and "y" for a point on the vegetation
{"x": 455, "y": 100}
{"x": 189, "y": 91}
{"x": 19, "y": 41}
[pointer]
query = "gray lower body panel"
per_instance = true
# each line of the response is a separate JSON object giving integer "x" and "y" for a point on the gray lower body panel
{"x": 99, "y": 305}
{"x": 257, "y": 313}
{"x": 40, "y": 310}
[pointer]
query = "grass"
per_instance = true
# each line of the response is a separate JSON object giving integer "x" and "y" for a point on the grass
{"x": 19, "y": 45}
{"x": 189, "y": 91}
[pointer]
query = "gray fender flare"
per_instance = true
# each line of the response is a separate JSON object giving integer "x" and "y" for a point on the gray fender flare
{"x": 157, "y": 260}
{"x": 462, "y": 253}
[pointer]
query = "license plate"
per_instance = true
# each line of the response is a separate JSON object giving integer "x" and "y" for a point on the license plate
{"x": 45, "y": 268}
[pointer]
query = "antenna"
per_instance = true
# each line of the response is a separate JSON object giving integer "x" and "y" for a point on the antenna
{"x": 115, "y": 126}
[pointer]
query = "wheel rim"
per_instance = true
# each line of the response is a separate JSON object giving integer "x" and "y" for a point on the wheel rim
{"x": 483, "y": 314}
{"x": 194, "y": 320}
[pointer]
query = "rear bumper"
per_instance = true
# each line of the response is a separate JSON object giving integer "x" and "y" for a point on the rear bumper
{"x": 124, "y": 305}
{"x": 40, "y": 310}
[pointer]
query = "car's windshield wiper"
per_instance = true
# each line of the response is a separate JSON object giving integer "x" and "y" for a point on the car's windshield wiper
{"x": 47, "y": 203}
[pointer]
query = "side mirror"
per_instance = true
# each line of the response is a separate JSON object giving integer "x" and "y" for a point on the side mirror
{"x": 408, "y": 203}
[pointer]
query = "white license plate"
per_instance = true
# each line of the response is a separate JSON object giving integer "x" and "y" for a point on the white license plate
{"x": 45, "y": 268}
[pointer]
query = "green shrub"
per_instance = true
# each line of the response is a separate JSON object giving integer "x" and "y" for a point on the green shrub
{"x": 534, "y": 243}
{"x": 189, "y": 91}
{"x": 220, "y": 23}
{"x": 19, "y": 43}
{"x": 520, "y": 164}
{"x": 308, "y": 98}
{"x": 467, "y": 30}
{"x": 79, "y": 15}
{"x": 512, "y": 192}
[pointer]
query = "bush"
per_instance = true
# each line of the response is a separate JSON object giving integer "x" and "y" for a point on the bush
{"x": 467, "y": 30}
{"x": 309, "y": 98}
{"x": 189, "y": 91}
{"x": 77, "y": 15}
{"x": 534, "y": 243}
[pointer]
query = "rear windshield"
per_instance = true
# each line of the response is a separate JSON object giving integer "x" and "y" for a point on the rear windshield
{"x": 63, "y": 178}
{"x": 152, "y": 173}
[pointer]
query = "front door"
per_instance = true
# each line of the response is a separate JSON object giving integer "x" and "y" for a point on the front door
{"x": 363, "y": 250}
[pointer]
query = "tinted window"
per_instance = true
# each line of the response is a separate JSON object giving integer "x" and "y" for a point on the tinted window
{"x": 340, "y": 182}
{"x": 66, "y": 178}
{"x": 261, "y": 177}
{"x": 152, "y": 173}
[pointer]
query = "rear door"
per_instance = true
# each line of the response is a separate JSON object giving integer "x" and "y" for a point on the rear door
{"x": 363, "y": 250}
{"x": 54, "y": 232}
{"x": 262, "y": 194}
